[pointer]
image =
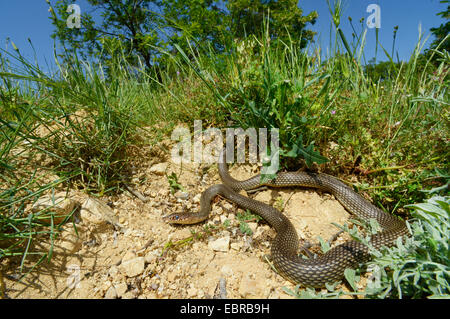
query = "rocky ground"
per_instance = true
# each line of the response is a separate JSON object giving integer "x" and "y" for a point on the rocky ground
{"x": 121, "y": 248}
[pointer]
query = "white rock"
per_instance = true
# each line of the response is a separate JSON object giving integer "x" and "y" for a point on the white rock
{"x": 226, "y": 270}
{"x": 129, "y": 255}
{"x": 163, "y": 192}
{"x": 161, "y": 288}
{"x": 181, "y": 195}
{"x": 196, "y": 198}
{"x": 111, "y": 293}
{"x": 173, "y": 286}
{"x": 236, "y": 246}
{"x": 133, "y": 267}
{"x": 57, "y": 203}
{"x": 227, "y": 206}
{"x": 261, "y": 230}
{"x": 151, "y": 256}
{"x": 129, "y": 295}
{"x": 252, "y": 226}
{"x": 220, "y": 244}
{"x": 121, "y": 289}
{"x": 159, "y": 169}
{"x": 95, "y": 211}
{"x": 191, "y": 292}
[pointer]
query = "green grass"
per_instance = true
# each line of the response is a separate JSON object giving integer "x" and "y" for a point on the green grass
{"x": 87, "y": 121}
{"x": 396, "y": 129}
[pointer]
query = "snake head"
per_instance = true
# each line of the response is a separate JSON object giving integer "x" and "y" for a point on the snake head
{"x": 172, "y": 218}
{"x": 182, "y": 218}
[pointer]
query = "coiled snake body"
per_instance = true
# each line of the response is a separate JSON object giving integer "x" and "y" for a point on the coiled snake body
{"x": 313, "y": 272}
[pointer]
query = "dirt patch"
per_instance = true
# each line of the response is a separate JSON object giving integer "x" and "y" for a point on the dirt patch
{"x": 137, "y": 255}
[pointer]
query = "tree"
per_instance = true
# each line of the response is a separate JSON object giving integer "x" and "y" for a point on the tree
{"x": 199, "y": 20}
{"x": 220, "y": 21}
{"x": 442, "y": 31}
{"x": 142, "y": 28}
{"x": 285, "y": 19}
{"x": 382, "y": 70}
{"x": 429, "y": 58}
{"x": 128, "y": 25}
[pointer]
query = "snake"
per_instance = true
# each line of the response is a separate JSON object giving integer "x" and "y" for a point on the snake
{"x": 310, "y": 272}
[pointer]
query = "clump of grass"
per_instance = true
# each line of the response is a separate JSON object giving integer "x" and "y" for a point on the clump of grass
{"x": 83, "y": 118}
{"x": 20, "y": 227}
{"x": 76, "y": 127}
{"x": 266, "y": 85}
{"x": 55, "y": 130}
{"x": 381, "y": 128}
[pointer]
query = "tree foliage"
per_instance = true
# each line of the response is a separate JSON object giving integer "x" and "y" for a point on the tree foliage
{"x": 443, "y": 30}
{"x": 143, "y": 28}
{"x": 199, "y": 20}
{"x": 381, "y": 71}
{"x": 125, "y": 25}
{"x": 285, "y": 20}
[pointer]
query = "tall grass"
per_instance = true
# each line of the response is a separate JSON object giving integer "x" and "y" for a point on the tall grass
{"x": 56, "y": 131}
{"x": 76, "y": 128}
{"x": 390, "y": 130}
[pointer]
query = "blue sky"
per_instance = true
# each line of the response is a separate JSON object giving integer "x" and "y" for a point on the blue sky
{"x": 23, "y": 19}
{"x": 407, "y": 14}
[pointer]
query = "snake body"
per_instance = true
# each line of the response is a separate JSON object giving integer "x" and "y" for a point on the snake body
{"x": 313, "y": 272}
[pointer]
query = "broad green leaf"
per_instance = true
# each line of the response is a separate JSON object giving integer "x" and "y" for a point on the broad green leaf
{"x": 324, "y": 245}
{"x": 350, "y": 276}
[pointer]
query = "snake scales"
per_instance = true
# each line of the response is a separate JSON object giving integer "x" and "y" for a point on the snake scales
{"x": 313, "y": 272}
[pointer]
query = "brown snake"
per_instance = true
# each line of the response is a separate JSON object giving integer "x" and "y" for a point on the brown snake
{"x": 313, "y": 272}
